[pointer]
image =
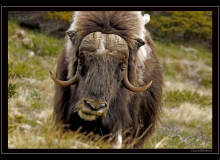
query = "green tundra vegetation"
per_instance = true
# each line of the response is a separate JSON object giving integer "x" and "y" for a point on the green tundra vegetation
{"x": 11, "y": 87}
{"x": 187, "y": 112}
{"x": 65, "y": 15}
{"x": 189, "y": 27}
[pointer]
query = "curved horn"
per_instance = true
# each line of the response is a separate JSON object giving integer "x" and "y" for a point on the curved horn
{"x": 132, "y": 88}
{"x": 65, "y": 83}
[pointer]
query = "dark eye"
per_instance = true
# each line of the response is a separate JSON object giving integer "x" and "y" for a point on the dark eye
{"x": 84, "y": 70}
{"x": 80, "y": 63}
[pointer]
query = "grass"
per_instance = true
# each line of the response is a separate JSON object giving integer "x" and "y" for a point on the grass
{"x": 187, "y": 112}
{"x": 175, "y": 97}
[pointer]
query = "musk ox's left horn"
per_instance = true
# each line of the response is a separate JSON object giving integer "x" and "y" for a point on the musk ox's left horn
{"x": 132, "y": 88}
{"x": 65, "y": 83}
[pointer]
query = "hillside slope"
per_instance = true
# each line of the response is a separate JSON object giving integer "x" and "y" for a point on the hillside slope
{"x": 187, "y": 111}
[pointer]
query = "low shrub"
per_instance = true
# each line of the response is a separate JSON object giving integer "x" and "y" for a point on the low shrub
{"x": 182, "y": 26}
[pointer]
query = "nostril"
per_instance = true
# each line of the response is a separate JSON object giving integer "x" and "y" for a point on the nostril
{"x": 89, "y": 104}
{"x": 94, "y": 105}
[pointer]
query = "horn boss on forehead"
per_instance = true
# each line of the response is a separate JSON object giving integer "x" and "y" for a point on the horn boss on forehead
{"x": 100, "y": 42}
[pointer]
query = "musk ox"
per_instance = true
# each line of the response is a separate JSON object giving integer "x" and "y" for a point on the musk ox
{"x": 108, "y": 78}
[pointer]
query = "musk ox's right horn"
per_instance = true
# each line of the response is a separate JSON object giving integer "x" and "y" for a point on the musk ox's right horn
{"x": 139, "y": 42}
{"x": 65, "y": 83}
{"x": 132, "y": 88}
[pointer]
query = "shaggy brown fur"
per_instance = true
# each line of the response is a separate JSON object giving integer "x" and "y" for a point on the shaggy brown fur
{"x": 126, "y": 24}
{"x": 127, "y": 110}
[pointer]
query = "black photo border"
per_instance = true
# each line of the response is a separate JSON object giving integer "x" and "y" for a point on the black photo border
{"x": 4, "y": 79}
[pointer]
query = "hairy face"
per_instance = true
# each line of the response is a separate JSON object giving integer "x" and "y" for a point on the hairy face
{"x": 102, "y": 61}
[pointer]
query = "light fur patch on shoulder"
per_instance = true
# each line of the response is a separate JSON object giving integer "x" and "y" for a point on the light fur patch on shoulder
{"x": 146, "y": 18}
{"x": 144, "y": 53}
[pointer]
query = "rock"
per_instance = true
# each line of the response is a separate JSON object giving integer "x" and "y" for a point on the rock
{"x": 31, "y": 53}
{"x": 28, "y": 43}
{"x": 20, "y": 33}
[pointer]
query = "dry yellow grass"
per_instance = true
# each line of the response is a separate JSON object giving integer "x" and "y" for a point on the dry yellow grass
{"x": 187, "y": 124}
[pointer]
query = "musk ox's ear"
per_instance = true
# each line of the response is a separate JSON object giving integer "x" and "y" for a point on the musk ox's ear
{"x": 72, "y": 35}
{"x": 139, "y": 42}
